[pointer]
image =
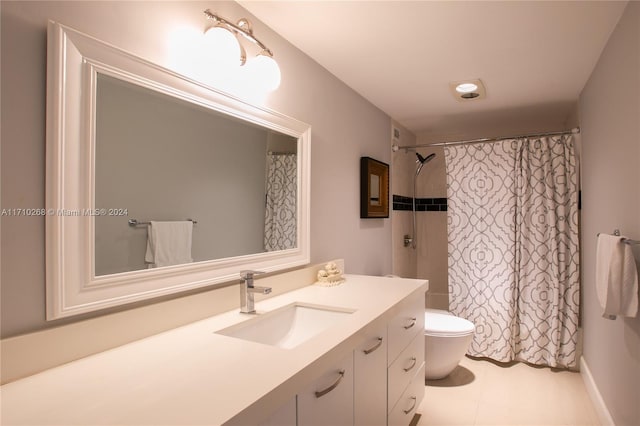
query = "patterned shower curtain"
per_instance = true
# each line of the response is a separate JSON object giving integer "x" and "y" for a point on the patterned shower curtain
{"x": 513, "y": 247}
{"x": 280, "y": 223}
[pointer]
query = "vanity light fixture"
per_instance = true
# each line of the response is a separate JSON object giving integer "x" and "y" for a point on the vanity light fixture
{"x": 467, "y": 90}
{"x": 227, "y": 37}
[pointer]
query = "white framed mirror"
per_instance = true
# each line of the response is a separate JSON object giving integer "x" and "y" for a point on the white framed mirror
{"x": 130, "y": 143}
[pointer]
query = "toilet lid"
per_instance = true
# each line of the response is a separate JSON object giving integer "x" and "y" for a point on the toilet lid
{"x": 442, "y": 323}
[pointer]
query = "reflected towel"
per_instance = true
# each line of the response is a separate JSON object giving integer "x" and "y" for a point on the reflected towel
{"x": 169, "y": 243}
{"x": 616, "y": 277}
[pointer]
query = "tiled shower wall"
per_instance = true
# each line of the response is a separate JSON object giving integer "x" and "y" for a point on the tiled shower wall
{"x": 429, "y": 259}
{"x": 402, "y": 171}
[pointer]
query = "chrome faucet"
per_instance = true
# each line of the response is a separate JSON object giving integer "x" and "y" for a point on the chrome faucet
{"x": 247, "y": 291}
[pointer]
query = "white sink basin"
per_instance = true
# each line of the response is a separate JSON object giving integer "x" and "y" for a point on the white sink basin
{"x": 288, "y": 326}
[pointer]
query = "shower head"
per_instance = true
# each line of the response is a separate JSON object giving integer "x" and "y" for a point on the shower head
{"x": 423, "y": 160}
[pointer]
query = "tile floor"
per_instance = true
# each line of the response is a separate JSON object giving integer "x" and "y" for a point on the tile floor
{"x": 480, "y": 392}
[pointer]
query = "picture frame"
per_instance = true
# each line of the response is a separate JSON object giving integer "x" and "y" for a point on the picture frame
{"x": 374, "y": 189}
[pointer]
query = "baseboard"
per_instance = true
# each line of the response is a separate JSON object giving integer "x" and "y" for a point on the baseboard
{"x": 601, "y": 408}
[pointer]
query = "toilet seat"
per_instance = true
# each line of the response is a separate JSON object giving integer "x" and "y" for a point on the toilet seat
{"x": 442, "y": 323}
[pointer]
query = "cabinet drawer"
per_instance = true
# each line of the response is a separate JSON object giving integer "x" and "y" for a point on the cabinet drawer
{"x": 407, "y": 406}
{"x": 404, "y": 368}
{"x": 404, "y": 326}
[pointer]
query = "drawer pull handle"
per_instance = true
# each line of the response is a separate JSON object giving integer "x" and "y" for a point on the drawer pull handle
{"x": 332, "y": 387}
{"x": 413, "y": 322}
{"x": 415, "y": 401}
{"x": 377, "y": 345}
{"x": 415, "y": 361}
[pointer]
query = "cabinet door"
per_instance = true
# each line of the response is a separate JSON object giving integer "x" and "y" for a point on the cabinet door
{"x": 329, "y": 399}
{"x": 283, "y": 416}
{"x": 370, "y": 380}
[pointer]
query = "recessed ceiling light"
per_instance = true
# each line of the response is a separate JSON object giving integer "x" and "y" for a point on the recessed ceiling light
{"x": 466, "y": 87}
{"x": 467, "y": 90}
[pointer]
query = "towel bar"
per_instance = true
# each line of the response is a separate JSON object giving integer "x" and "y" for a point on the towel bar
{"x": 629, "y": 241}
{"x": 136, "y": 222}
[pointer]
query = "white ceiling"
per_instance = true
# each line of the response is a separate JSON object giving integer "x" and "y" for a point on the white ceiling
{"x": 534, "y": 57}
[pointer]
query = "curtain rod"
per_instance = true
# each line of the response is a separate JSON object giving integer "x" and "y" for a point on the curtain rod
{"x": 496, "y": 139}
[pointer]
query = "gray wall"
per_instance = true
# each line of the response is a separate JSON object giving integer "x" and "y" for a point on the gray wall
{"x": 610, "y": 123}
{"x": 344, "y": 127}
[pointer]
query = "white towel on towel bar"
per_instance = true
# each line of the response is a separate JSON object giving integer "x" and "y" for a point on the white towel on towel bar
{"x": 616, "y": 277}
{"x": 169, "y": 243}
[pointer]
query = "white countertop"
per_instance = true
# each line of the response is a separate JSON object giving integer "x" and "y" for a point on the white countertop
{"x": 191, "y": 375}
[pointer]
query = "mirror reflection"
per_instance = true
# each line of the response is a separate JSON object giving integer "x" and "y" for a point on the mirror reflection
{"x": 374, "y": 194}
{"x": 211, "y": 185}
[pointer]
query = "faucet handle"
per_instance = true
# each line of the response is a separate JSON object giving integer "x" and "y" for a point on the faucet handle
{"x": 248, "y": 274}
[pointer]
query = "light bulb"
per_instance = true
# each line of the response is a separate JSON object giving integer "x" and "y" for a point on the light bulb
{"x": 223, "y": 46}
{"x": 265, "y": 71}
{"x": 184, "y": 51}
{"x": 466, "y": 88}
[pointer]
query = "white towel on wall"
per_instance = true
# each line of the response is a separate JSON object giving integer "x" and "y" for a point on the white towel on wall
{"x": 616, "y": 277}
{"x": 169, "y": 243}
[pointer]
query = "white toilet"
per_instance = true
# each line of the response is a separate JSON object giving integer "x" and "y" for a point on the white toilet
{"x": 446, "y": 340}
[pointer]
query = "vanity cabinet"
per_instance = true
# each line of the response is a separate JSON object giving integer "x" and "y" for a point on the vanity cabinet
{"x": 370, "y": 379}
{"x": 383, "y": 380}
{"x": 326, "y": 380}
{"x": 328, "y": 400}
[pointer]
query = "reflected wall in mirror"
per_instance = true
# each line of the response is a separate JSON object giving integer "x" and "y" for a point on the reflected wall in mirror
{"x": 160, "y": 158}
{"x": 374, "y": 188}
{"x": 128, "y": 139}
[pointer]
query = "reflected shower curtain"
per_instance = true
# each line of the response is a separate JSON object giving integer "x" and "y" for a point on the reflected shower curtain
{"x": 280, "y": 213}
{"x": 513, "y": 247}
